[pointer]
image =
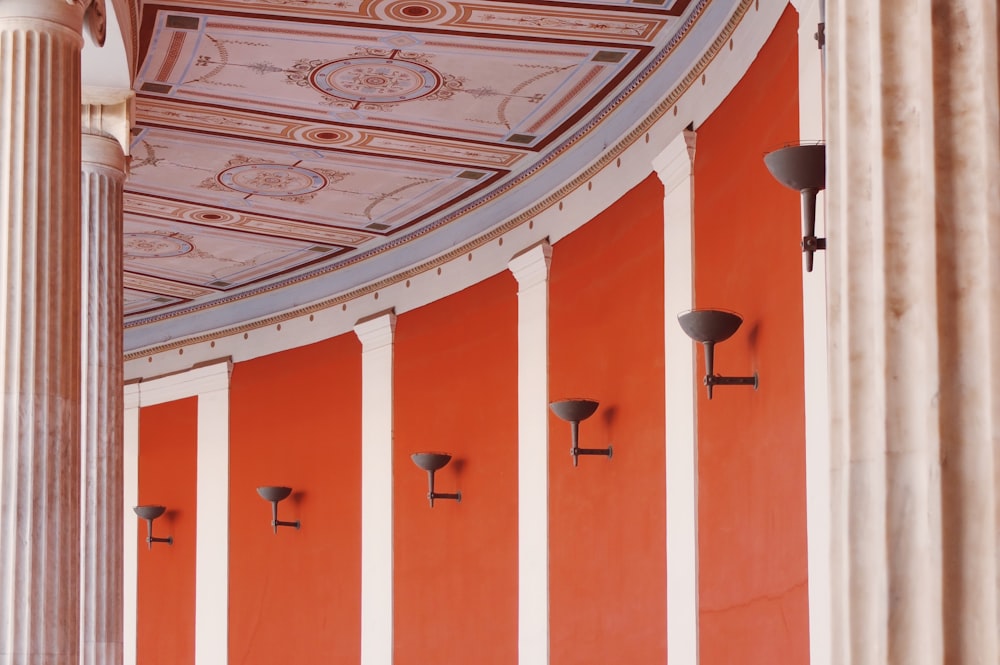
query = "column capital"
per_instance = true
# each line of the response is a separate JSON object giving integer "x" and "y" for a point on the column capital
{"x": 676, "y": 162}
{"x": 96, "y": 17}
{"x": 531, "y": 266}
{"x": 376, "y": 331}
{"x": 102, "y": 151}
{"x": 65, "y": 13}
{"x": 108, "y": 112}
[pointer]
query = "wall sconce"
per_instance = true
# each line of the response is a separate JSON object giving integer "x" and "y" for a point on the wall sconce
{"x": 150, "y": 513}
{"x": 431, "y": 462}
{"x": 575, "y": 410}
{"x": 802, "y": 168}
{"x": 711, "y": 326}
{"x": 274, "y": 495}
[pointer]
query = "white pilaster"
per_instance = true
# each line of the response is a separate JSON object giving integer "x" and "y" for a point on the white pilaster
{"x": 816, "y": 373}
{"x": 531, "y": 269}
{"x": 675, "y": 167}
{"x": 211, "y": 637}
{"x": 210, "y": 383}
{"x": 130, "y": 498}
{"x": 376, "y": 335}
{"x": 40, "y": 44}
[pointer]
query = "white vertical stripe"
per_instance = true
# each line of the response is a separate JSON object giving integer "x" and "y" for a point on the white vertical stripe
{"x": 376, "y": 335}
{"x": 531, "y": 269}
{"x": 674, "y": 167}
{"x": 816, "y": 374}
{"x": 130, "y": 535}
{"x": 211, "y": 638}
{"x": 210, "y": 383}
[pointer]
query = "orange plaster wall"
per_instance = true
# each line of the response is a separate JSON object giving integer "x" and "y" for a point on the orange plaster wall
{"x": 607, "y": 518}
{"x": 168, "y": 456}
{"x": 296, "y": 420}
{"x": 751, "y": 445}
{"x": 455, "y": 564}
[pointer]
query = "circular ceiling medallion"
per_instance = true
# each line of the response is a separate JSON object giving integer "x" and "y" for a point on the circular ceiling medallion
{"x": 272, "y": 180}
{"x": 415, "y": 11}
{"x": 153, "y": 246}
{"x": 326, "y": 135}
{"x": 203, "y": 216}
{"x": 376, "y": 80}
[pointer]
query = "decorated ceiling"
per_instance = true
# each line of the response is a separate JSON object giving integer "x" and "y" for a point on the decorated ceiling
{"x": 289, "y": 150}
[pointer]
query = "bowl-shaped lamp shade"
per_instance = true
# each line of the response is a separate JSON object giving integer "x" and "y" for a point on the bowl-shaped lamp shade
{"x": 274, "y": 493}
{"x": 430, "y": 461}
{"x": 802, "y": 168}
{"x": 799, "y": 167}
{"x": 574, "y": 410}
{"x": 709, "y": 325}
{"x": 149, "y": 512}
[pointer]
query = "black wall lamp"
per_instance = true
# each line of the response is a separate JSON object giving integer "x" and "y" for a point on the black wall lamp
{"x": 802, "y": 168}
{"x": 431, "y": 462}
{"x": 150, "y": 513}
{"x": 275, "y": 494}
{"x": 711, "y": 326}
{"x": 575, "y": 410}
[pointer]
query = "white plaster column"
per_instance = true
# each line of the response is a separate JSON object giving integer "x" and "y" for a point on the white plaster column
{"x": 816, "y": 361}
{"x": 675, "y": 167}
{"x": 211, "y": 599}
{"x": 130, "y": 530}
{"x": 531, "y": 269}
{"x": 40, "y": 45}
{"x": 376, "y": 335}
{"x": 914, "y": 269}
{"x": 102, "y": 187}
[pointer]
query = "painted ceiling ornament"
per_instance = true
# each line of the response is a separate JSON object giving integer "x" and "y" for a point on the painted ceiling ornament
{"x": 256, "y": 176}
{"x": 156, "y": 245}
{"x": 375, "y": 79}
{"x": 339, "y": 4}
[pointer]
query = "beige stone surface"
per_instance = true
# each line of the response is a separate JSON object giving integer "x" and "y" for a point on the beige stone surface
{"x": 914, "y": 212}
{"x": 101, "y": 576}
{"x": 40, "y": 323}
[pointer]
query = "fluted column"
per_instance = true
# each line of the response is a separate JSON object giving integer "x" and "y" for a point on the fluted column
{"x": 914, "y": 308}
{"x": 40, "y": 43}
{"x": 101, "y": 576}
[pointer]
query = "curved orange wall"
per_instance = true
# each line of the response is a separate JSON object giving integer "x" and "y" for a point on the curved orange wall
{"x": 751, "y": 445}
{"x": 607, "y": 518}
{"x": 166, "y": 573}
{"x": 455, "y": 565}
{"x": 294, "y": 596}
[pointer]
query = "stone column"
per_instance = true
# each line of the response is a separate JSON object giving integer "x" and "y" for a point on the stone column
{"x": 914, "y": 309}
{"x": 102, "y": 186}
{"x": 40, "y": 322}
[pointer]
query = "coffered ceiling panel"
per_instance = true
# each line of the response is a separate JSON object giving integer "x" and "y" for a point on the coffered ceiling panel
{"x": 278, "y": 140}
